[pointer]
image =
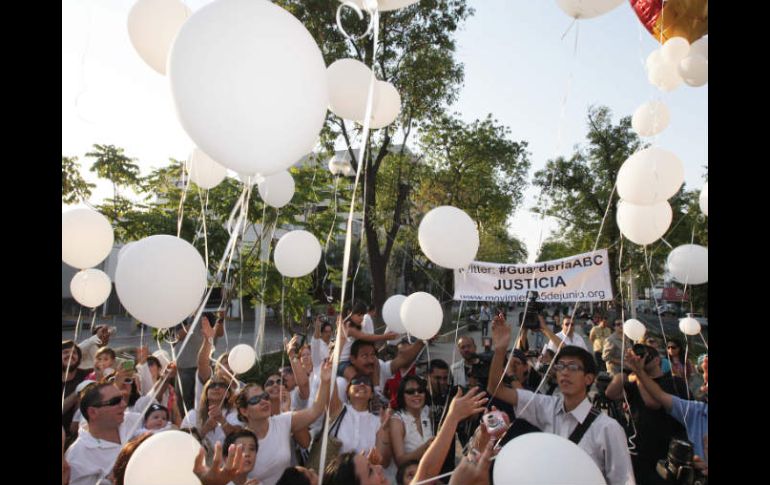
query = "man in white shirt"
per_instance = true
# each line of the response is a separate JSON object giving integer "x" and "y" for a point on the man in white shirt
{"x": 93, "y": 454}
{"x": 567, "y": 335}
{"x": 467, "y": 348}
{"x": 570, "y": 415}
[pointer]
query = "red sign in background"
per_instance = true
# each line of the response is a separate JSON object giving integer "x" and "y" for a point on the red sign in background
{"x": 674, "y": 294}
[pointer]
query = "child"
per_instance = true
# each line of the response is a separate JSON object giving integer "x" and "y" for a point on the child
{"x": 104, "y": 364}
{"x": 155, "y": 419}
{"x": 352, "y": 326}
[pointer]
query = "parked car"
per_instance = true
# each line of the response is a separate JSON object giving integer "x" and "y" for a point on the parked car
{"x": 667, "y": 309}
{"x": 700, "y": 318}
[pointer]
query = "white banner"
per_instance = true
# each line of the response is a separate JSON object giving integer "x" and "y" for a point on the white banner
{"x": 583, "y": 277}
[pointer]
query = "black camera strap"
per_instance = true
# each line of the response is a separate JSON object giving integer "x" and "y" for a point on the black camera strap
{"x": 577, "y": 435}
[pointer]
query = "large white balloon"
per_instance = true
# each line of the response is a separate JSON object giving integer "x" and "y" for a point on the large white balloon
{"x": 650, "y": 118}
{"x": 662, "y": 73}
{"x": 634, "y": 329}
{"x": 277, "y": 190}
{"x": 700, "y": 47}
{"x": 152, "y": 27}
{"x": 694, "y": 70}
{"x": 586, "y": 9}
{"x": 703, "y": 200}
{"x": 165, "y": 458}
{"x": 349, "y": 88}
{"x": 650, "y": 175}
{"x": 643, "y": 224}
{"x": 689, "y": 263}
{"x": 388, "y": 105}
{"x": 675, "y": 49}
{"x": 86, "y": 238}
{"x": 391, "y": 313}
{"x": 249, "y": 85}
{"x": 90, "y": 287}
{"x": 205, "y": 172}
{"x": 241, "y": 358}
{"x": 532, "y": 459}
{"x": 421, "y": 315}
{"x": 384, "y": 5}
{"x": 297, "y": 254}
{"x": 443, "y": 225}
{"x": 689, "y": 326}
{"x": 160, "y": 280}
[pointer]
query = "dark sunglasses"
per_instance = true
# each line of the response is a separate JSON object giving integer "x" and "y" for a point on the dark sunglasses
{"x": 414, "y": 391}
{"x": 222, "y": 385}
{"x": 271, "y": 382}
{"x": 253, "y": 400}
{"x": 357, "y": 381}
{"x": 112, "y": 402}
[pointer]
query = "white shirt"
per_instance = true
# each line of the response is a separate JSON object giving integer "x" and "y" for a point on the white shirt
{"x": 458, "y": 373}
{"x": 367, "y": 326}
{"x": 575, "y": 340}
{"x": 217, "y": 434}
{"x": 274, "y": 453}
{"x": 412, "y": 437}
{"x": 358, "y": 430}
{"x": 88, "y": 348}
{"x": 604, "y": 441}
{"x": 91, "y": 458}
{"x": 297, "y": 403}
{"x": 319, "y": 350}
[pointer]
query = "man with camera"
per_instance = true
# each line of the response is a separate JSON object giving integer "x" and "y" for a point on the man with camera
{"x": 654, "y": 427}
{"x": 570, "y": 415}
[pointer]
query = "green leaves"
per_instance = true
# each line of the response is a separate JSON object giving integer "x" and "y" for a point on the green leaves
{"x": 74, "y": 188}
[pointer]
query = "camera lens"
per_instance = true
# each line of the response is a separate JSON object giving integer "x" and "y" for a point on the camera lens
{"x": 680, "y": 452}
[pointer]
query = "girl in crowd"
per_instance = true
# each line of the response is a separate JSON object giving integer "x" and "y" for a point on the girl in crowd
{"x": 679, "y": 366}
{"x": 411, "y": 430}
{"x": 210, "y": 416}
{"x": 150, "y": 372}
{"x": 104, "y": 364}
{"x": 248, "y": 440}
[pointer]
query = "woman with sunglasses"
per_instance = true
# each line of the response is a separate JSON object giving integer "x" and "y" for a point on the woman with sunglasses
{"x": 411, "y": 430}
{"x": 274, "y": 431}
{"x": 210, "y": 416}
{"x": 680, "y": 367}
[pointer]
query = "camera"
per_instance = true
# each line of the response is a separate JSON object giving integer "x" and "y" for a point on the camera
{"x": 602, "y": 381}
{"x": 534, "y": 308}
{"x": 678, "y": 467}
{"x": 495, "y": 423}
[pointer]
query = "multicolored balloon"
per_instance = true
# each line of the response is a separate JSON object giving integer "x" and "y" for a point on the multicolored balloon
{"x": 677, "y": 18}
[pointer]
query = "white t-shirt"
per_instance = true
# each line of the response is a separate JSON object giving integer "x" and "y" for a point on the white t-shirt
{"x": 217, "y": 434}
{"x": 319, "y": 350}
{"x": 297, "y": 403}
{"x": 367, "y": 326}
{"x": 358, "y": 430}
{"x": 274, "y": 453}
{"x": 575, "y": 340}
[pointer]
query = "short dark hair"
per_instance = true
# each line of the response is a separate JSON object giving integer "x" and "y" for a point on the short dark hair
{"x": 156, "y": 407}
{"x": 70, "y": 344}
{"x": 437, "y": 364}
{"x": 589, "y": 364}
{"x": 241, "y": 433}
{"x": 90, "y": 396}
{"x": 342, "y": 470}
{"x": 292, "y": 476}
{"x": 358, "y": 308}
{"x": 242, "y": 400}
{"x": 152, "y": 360}
{"x": 326, "y": 324}
{"x": 400, "y": 399}
{"x": 356, "y": 347}
{"x": 402, "y": 471}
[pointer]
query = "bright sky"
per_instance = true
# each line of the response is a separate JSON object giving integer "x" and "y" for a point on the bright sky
{"x": 517, "y": 67}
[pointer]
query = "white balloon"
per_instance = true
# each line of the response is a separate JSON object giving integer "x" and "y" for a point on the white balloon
{"x": 650, "y": 118}
{"x": 241, "y": 358}
{"x": 349, "y": 88}
{"x": 586, "y": 9}
{"x": 383, "y": 5}
{"x": 643, "y": 224}
{"x": 277, "y": 190}
{"x": 700, "y": 47}
{"x": 653, "y": 59}
{"x": 152, "y": 28}
{"x": 421, "y": 315}
{"x": 348, "y": 170}
{"x": 86, "y": 238}
{"x": 531, "y": 459}
{"x": 694, "y": 70}
{"x": 442, "y": 225}
{"x": 160, "y": 280}
{"x": 297, "y": 254}
{"x": 90, "y": 287}
{"x": 250, "y": 179}
{"x": 634, "y": 329}
{"x": 675, "y": 49}
{"x": 165, "y": 458}
{"x": 689, "y": 264}
{"x": 391, "y": 313}
{"x": 703, "y": 200}
{"x": 689, "y": 326}
{"x": 337, "y": 166}
{"x": 665, "y": 75}
{"x": 388, "y": 105}
{"x": 650, "y": 175}
{"x": 126, "y": 247}
{"x": 205, "y": 172}
{"x": 249, "y": 85}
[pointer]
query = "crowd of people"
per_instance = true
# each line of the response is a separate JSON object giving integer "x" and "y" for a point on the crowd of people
{"x": 392, "y": 418}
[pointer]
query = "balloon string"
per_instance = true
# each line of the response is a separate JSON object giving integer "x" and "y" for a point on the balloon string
{"x": 330, "y": 296}
{"x": 454, "y": 354}
{"x": 93, "y": 322}
{"x": 186, "y": 183}
{"x": 704, "y": 341}
{"x": 77, "y": 325}
{"x": 260, "y": 338}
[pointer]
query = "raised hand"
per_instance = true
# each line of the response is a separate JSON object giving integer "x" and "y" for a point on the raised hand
{"x": 326, "y": 371}
{"x": 473, "y": 470}
{"x": 465, "y": 406}
{"x": 374, "y": 457}
{"x": 633, "y": 361}
{"x": 292, "y": 345}
{"x": 206, "y": 329}
{"x": 220, "y": 473}
{"x": 390, "y": 335}
{"x": 501, "y": 334}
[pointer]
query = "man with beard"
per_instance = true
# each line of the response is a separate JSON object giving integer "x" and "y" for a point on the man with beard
{"x": 460, "y": 369}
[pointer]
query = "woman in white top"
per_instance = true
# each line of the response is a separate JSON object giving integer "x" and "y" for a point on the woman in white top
{"x": 357, "y": 428}
{"x": 411, "y": 429}
{"x": 209, "y": 417}
{"x": 274, "y": 432}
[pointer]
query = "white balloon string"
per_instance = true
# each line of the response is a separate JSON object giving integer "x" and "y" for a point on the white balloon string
{"x": 330, "y": 296}
{"x": 704, "y": 341}
{"x": 93, "y": 322}
{"x": 454, "y": 353}
{"x": 574, "y": 21}
{"x": 655, "y": 301}
{"x": 186, "y": 184}
{"x": 686, "y": 384}
{"x": 77, "y": 325}
{"x": 372, "y": 26}
{"x": 179, "y": 383}
{"x": 240, "y": 294}
{"x": 259, "y": 342}
{"x": 284, "y": 341}
{"x": 204, "y": 210}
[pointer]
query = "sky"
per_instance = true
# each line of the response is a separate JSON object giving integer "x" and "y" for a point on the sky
{"x": 517, "y": 67}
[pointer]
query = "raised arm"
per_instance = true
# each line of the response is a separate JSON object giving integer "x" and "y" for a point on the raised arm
{"x": 300, "y": 376}
{"x": 501, "y": 336}
{"x": 548, "y": 333}
{"x": 406, "y": 356}
{"x": 357, "y": 334}
{"x": 204, "y": 354}
{"x": 650, "y": 386}
{"x": 304, "y": 418}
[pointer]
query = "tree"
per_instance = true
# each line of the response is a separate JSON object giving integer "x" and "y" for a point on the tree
{"x": 112, "y": 164}
{"x": 73, "y": 187}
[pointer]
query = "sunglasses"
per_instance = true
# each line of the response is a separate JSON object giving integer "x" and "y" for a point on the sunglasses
{"x": 253, "y": 400}
{"x": 357, "y": 381}
{"x": 112, "y": 402}
{"x": 271, "y": 382}
{"x": 221, "y": 385}
{"x": 414, "y": 391}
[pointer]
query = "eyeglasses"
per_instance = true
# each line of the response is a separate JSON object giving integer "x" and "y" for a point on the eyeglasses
{"x": 357, "y": 381}
{"x": 572, "y": 367}
{"x": 414, "y": 391}
{"x": 112, "y": 402}
{"x": 221, "y": 385}
{"x": 271, "y": 382}
{"x": 258, "y": 398}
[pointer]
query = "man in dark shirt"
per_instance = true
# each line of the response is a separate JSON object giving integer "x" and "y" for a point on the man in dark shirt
{"x": 654, "y": 426}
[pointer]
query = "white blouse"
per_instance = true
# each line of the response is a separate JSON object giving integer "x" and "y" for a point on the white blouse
{"x": 358, "y": 430}
{"x": 412, "y": 437}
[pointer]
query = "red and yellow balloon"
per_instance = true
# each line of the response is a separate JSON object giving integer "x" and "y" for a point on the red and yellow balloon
{"x": 677, "y": 18}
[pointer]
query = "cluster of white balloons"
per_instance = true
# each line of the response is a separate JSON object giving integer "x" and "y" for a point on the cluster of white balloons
{"x": 86, "y": 241}
{"x": 447, "y": 223}
{"x": 420, "y": 314}
{"x": 349, "y": 90}
{"x": 676, "y": 62}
